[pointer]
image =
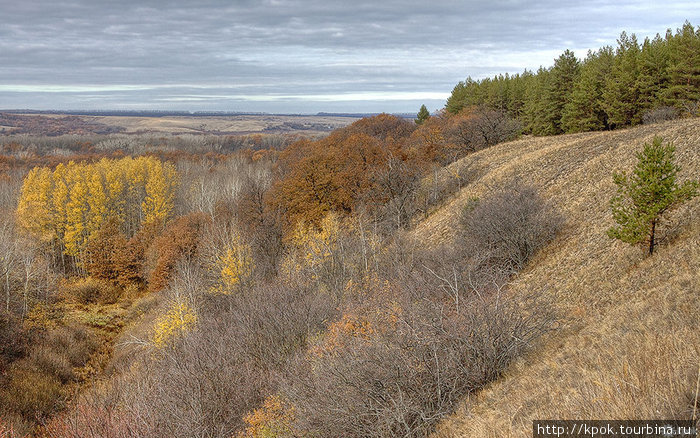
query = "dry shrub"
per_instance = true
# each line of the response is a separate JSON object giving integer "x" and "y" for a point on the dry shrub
{"x": 660, "y": 114}
{"x": 218, "y": 371}
{"x": 8, "y": 430}
{"x": 34, "y": 387}
{"x": 32, "y": 393}
{"x": 398, "y": 368}
{"x": 94, "y": 421}
{"x": 503, "y": 231}
{"x": 224, "y": 367}
{"x": 476, "y": 128}
{"x": 12, "y": 339}
{"x": 52, "y": 363}
{"x": 73, "y": 342}
{"x": 90, "y": 291}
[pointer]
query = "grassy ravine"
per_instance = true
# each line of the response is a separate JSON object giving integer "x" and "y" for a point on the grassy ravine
{"x": 628, "y": 342}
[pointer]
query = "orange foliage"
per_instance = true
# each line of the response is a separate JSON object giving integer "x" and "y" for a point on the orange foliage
{"x": 373, "y": 311}
{"x": 7, "y": 431}
{"x": 102, "y": 249}
{"x": 179, "y": 240}
{"x": 93, "y": 421}
{"x": 337, "y": 173}
{"x": 273, "y": 419}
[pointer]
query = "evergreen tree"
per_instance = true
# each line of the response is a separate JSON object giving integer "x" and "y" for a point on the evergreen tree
{"x": 650, "y": 191}
{"x": 621, "y": 96}
{"x": 518, "y": 94}
{"x": 683, "y": 91}
{"x": 558, "y": 92}
{"x": 652, "y": 81}
{"x": 423, "y": 115}
{"x": 584, "y": 111}
{"x": 459, "y": 97}
{"x": 535, "y": 120}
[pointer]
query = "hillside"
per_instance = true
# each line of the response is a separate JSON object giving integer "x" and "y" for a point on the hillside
{"x": 627, "y": 344}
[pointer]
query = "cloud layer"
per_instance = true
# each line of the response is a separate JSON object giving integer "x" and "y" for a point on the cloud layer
{"x": 291, "y": 55}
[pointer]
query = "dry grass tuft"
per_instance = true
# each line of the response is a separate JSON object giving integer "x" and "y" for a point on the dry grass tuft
{"x": 629, "y": 343}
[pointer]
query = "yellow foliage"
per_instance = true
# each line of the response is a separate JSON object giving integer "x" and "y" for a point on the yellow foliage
{"x": 34, "y": 206}
{"x": 39, "y": 317}
{"x": 76, "y": 212}
{"x": 315, "y": 246}
{"x": 160, "y": 185}
{"x": 179, "y": 319}
{"x": 271, "y": 420}
{"x": 235, "y": 264}
{"x": 69, "y": 204}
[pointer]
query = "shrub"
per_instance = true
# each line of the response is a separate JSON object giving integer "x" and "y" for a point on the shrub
{"x": 75, "y": 343}
{"x": 398, "y": 370}
{"x": 90, "y": 291}
{"x": 12, "y": 339}
{"x": 217, "y": 370}
{"x": 94, "y": 421}
{"x": 32, "y": 393}
{"x": 504, "y": 230}
{"x": 477, "y": 128}
{"x": 660, "y": 114}
{"x": 51, "y": 363}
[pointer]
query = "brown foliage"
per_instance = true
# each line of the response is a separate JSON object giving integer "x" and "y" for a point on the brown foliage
{"x": 102, "y": 249}
{"x": 129, "y": 259}
{"x": 178, "y": 241}
{"x": 384, "y": 127}
{"x": 342, "y": 172}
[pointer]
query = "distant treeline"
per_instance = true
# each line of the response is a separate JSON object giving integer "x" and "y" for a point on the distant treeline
{"x": 171, "y": 113}
{"x": 611, "y": 88}
{"x": 137, "y": 113}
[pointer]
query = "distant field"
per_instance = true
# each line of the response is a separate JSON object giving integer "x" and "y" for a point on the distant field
{"x": 59, "y": 124}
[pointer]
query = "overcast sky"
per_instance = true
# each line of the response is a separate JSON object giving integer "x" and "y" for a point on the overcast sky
{"x": 293, "y": 55}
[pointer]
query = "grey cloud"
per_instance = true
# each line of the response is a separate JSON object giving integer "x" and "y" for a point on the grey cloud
{"x": 293, "y": 47}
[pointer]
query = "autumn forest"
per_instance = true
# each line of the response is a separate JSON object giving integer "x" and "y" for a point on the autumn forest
{"x": 276, "y": 285}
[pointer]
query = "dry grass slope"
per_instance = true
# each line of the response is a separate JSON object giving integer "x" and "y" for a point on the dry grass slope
{"x": 628, "y": 345}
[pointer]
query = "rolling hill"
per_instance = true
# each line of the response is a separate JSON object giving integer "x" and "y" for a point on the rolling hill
{"x": 628, "y": 341}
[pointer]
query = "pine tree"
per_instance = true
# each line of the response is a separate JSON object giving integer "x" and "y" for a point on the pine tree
{"x": 650, "y": 191}
{"x": 559, "y": 89}
{"x": 584, "y": 111}
{"x": 535, "y": 120}
{"x": 621, "y": 95}
{"x": 423, "y": 115}
{"x": 653, "y": 78}
{"x": 683, "y": 91}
